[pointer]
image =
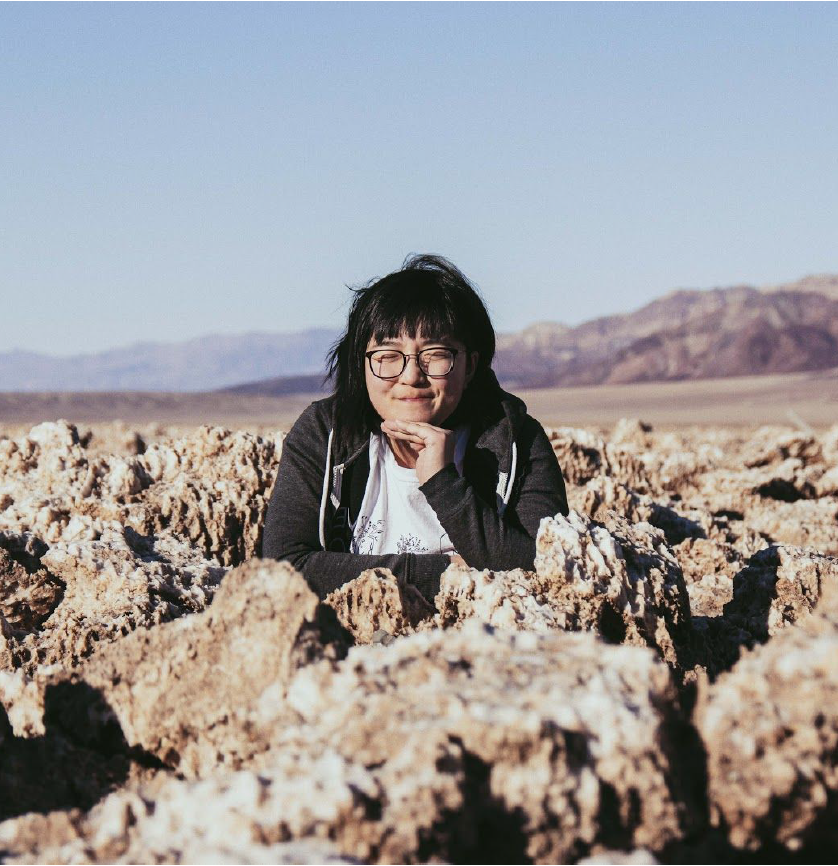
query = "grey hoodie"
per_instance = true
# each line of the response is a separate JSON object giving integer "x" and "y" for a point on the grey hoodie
{"x": 511, "y": 480}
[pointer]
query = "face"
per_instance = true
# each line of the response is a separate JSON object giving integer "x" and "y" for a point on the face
{"x": 414, "y": 396}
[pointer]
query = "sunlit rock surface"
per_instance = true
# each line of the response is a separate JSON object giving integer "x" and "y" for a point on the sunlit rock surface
{"x": 100, "y": 591}
{"x": 160, "y": 701}
{"x": 377, "y": 605}
{"x": 447, "y": 745}
{"x": 770, "y": 726}
{"x": 210, "y": 488}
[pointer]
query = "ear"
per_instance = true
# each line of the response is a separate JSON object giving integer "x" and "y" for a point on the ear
{"x": 471, "y": 365}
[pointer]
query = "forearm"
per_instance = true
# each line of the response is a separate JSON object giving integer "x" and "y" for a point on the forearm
{"x": 327, "y": 570}
{"x": 479, "y": 534}
{"x": 482, "y": 536}
{"x": 291, "y": 531}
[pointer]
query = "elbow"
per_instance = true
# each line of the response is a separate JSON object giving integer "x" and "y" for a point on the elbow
{"x": 521, "y": 555}
{"x": 564, "y": 507}
{"x": 268, "y": 548}
{"x": 299, "y": 561}
{"x": 273, "y": 548}
{"x": 280, "y": 544}
{"x": 524, "y": 559}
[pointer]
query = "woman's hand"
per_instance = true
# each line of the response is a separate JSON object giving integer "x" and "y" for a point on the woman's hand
{"x": 434, "y": 445}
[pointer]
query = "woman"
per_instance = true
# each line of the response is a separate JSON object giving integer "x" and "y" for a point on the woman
{"x": 418, "y": 458}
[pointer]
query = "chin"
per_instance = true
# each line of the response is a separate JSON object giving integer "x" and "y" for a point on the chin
{"x": 415, "y": 415}
{"x": 414, "y": 412}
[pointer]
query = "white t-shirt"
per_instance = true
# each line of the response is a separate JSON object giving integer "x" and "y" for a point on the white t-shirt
{"x": 395, "y": 516}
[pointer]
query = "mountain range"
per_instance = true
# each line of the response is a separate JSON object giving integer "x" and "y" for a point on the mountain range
{"x": 200, "y": 364}
{"x": 686, "y": 334}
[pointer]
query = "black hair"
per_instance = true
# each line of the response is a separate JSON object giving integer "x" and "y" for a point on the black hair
{"x": 427, "y": 295}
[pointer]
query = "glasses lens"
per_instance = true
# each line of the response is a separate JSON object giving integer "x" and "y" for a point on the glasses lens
{"x": 436, "y": 362}
{"x": 386, "y": 364}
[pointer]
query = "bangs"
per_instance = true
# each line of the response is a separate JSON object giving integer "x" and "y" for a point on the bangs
{"x": 413, "y": 310}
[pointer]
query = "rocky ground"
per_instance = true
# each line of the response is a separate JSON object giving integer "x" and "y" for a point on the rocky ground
{"x": 662, "y": 687}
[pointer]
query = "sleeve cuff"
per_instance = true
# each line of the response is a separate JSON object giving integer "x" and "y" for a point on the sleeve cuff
{"x": 426, "y": 574}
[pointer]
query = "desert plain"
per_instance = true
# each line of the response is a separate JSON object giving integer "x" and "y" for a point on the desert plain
{"x": 661, "y": 687}
{"x": 803, "y": 399}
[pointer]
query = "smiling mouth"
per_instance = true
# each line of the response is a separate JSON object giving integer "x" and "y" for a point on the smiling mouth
{"x": 413, "y": 399}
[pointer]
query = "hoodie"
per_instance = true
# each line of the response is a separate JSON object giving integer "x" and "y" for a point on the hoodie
{"x": 511, "y": 480}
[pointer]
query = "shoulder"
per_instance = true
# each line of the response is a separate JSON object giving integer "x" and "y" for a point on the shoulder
{"x": 524, "y": 428}
{"x": 532, "y": 436}
{"x": 500, "y": 418}
{"x": 518, "y": 428}
{"x": 314, "y": 422}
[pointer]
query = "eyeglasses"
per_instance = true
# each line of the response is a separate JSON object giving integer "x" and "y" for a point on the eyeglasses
{"x": 390, "y": 363}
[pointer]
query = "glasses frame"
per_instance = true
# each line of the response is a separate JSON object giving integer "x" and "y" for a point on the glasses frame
{"x": 406, "y": 358}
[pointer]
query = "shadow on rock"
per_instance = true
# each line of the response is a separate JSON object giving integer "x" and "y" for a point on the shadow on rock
{"x": 28, "y": 592}
{"x": 485, "y": 831}
{"x": 779, "y": 585}
{"x": 676, "y": 527}
{"x": 145, "y": 546}
{"x": 754, "y": 592}
{"x": 744, "y": 622}
{"x": 81, "y": 757}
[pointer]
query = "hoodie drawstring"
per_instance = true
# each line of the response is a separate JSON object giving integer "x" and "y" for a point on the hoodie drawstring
{"x": 506, "y": 481}
{"x": 512, "y": 468}
{"x": 321, "y": 523}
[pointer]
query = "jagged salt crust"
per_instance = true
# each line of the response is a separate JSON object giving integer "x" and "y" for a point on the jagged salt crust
{"x": 455, "y": 743}
{"x": 209, "y": 488}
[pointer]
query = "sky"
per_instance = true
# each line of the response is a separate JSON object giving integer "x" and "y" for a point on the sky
{"x": 174, "y": 170}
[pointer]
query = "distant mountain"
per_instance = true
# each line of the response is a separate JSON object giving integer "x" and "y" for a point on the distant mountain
{"x": 822, "y": 284}
{"x": 686, "y": 334}
{"x": 280, "y": 386}
{"x": 784, "y": 332}
{"x": 201, "y": 364}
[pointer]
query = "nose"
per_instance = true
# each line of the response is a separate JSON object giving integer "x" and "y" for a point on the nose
{"x": 412, "y": 373}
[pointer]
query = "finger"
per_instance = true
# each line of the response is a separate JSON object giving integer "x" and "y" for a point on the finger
{"x": 418, "y": 428}
{"x": 392, "y": 429}
{"x": 406, "y": 437}
{"x": 402, "y": 427}
{"x": 417, "y": 425}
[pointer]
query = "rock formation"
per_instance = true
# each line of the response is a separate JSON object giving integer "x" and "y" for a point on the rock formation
{"x": 447, "y": 745}
{"x": 209, "y": 488}
{"x": 207, "y": 691}
{"x": 778, "y": 586}
{"x": 165, "y": 697}
{"x": 90, "y": 592}
{"x": 618, "y": 579}
{"x": 28, "y": 592}
{"x": 770, "y": 727}
{"x": 375, "y": 603}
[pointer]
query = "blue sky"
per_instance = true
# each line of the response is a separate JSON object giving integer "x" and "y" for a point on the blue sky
{"x": 171, "y": 170}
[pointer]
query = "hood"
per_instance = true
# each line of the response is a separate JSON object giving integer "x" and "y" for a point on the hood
{"x": 497, "y": 423}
